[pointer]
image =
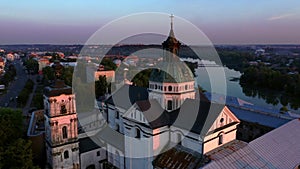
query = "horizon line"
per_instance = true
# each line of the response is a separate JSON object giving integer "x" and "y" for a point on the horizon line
{"x": 217, "y": 44}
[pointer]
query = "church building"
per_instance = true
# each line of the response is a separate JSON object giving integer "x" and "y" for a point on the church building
{"x": 166, "y": 115}
{"x": 143, "y": 125}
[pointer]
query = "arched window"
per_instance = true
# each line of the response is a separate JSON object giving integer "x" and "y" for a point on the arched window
{"x": 118, "y": 128}
{"x": 137, "y": 133}
{"x": 221, "y": 122}
{"x": 169, "y": 105}
{"x": 220, "y": 138}
{"x": 65, "y": 132}
{"x": 117, "y": 114}
{"x": 170, "y": 88}
{"x": 66, "y": 154}
{"x": 179, "y": 139}
{"x": 63, "y": 109}
{"x": 186, "y": 87}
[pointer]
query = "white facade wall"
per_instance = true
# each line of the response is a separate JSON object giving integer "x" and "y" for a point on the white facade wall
{"x": 187, "y": 139}
{"x": 91, "y": 158}
{"x": 115, "y": 157}
{"x": 212, "y": 141}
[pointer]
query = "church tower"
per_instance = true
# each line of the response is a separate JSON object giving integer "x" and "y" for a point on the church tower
{"x": 62, "y": 146}
{"x": 173, "y": 82}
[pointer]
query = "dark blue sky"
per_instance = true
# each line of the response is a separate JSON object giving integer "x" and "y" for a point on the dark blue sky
{"x": 223, "y": 21}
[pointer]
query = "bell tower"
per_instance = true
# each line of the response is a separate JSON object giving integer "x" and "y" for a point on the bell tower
{"x": 62, "y": 147}
{"x": 171, "y": 45}
{"x": 173, "y": 82}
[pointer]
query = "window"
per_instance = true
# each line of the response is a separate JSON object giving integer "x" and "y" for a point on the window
{"x": 66, "y": 154}
{"x": 137, "y": 133}
{"x": 222, "y": 120}
{"x": 63, "y": 109}
{"x": 98, "y": 153}
{"x": 179, "y": 138}
{"x": 220, "y": 138}
{"x": 169, "y": 107}
{"x": 117, "y": 114}
{"x": 117, "y": 159}
{"x": 170, "y": 88}
{"x": 92, "y": 166}
{"x": 186, "y": 87}
{"x": 118, "y": 128}
{"x": 65, "y": 132}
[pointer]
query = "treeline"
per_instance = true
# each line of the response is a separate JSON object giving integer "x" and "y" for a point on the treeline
{"x": 237, "y": 60}
{"x": 24, "y": 94}
{"x": 264, "y": 77}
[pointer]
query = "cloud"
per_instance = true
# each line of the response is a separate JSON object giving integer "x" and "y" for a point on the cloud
{"x": 283, "y": 16}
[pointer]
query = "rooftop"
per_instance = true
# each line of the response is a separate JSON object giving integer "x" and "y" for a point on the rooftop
{"x": 180, "y": 158}
{"x": 278, "y": 149}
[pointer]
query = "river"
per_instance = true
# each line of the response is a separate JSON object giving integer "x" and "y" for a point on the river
{"x": 233, "y": 88}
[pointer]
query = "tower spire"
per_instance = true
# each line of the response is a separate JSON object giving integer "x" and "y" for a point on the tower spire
{"x": 172, "y": 17}
{"x": 171, "y": 34}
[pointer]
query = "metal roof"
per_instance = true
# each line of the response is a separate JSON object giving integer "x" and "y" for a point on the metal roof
{"x": 255, "y": 117}
{"x": 127, "y": 95}
{"x": 278, "y": 149}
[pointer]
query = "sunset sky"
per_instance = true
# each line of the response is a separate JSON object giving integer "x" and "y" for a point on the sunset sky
{"x": 223, "y": 21}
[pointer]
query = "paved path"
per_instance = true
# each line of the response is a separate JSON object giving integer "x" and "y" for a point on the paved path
{"x": 27, "y": 106}
{"x": 15, "y": 87}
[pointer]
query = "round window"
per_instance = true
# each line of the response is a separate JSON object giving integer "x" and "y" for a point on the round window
{"x": 221, "y": 120}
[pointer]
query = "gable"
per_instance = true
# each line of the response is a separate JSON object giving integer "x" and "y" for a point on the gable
{"x": 134, "y": 114}
{"x": 225, "y": 117}
{"x": 148, "y": 112}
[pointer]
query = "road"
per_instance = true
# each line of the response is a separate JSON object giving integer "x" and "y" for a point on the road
{"x": 15, "y": 87}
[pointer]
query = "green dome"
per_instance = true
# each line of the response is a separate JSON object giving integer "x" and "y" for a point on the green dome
{"x": 172, "y": 72}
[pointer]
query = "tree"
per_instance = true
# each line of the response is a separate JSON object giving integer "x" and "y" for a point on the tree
{"x": 38, "y": 101}
{"x": 9, "y": 75}
{"x": 68, "y": 75}
{"x": 142, "y": 78}
{"x": 101, "y": 86}
{"x": 24, "y": 94}
{"x": 108, "y": 64}
{"x": 55, "y": 56}
{"x": 18, "y": 155}
{"x": 15, "y": 152}
{"x": 48, "y": 73}
{"x": 85, "y": 95}
{"x": 32, "y": 66}
{"x": 80, "y": 71}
